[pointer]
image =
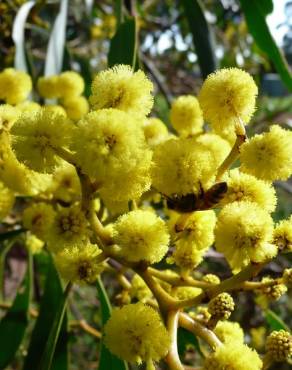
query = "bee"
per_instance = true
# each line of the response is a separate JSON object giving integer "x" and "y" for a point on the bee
{"x": 191, "y": 202}
{"x": 186, "y": 204}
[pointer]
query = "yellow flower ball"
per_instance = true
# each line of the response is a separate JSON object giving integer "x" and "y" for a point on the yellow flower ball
{"x": 268, "y": 156}
{"x": 279, "y": 345}
{"x": 233, "y": 355}
{"x": 8, "y": 116}
{"x": 76, "y": 107}
{"x": 155, "y": 131}
{"x": 70, "y": 84}
{"x": 186, "y": 292}
{"x": 56, "y": 109}
{"x": 79, "y": 264}
{"x": 33, "y": 244}
{"x": 48, "y": 87}
{"x": 243, "y": 234}
{"x": 141, "y": 235}
{"x": 121, "y": 88}
{"x": 38, "y": 218}
{"x": 228, "y": 331}
{"x": 182, "y": 166}
{"x": 15, "y": 86}
{"x": 227, "y": 94}
{"x": 186, "y": 115}
{"x": 7, "y": 199}
{"x": 36, "y": 135}
{"x": 136, "y": 333}
{"x": 28, "y": 106}
{"x": 187, "y": 257}
{"x": 282, "y": 236}
{"x": 244, "y": 187}
{"x": 218, "y": 146}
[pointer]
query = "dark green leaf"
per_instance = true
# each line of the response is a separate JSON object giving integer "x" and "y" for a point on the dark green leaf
{"x": 106, "y": 359}
{"x": 119, "y": 11}
{"x": 202, "y": 35}
{"x": 266, "y": 6}
{"x": 123, "y": 46}
{"x": 185, "y": 339}
{"x": 275, "y": 322}
{"x": 49, "y": 304}
{"x": 14, "y": 323}
{"x": 47, "y": 357}
{"x": 259, "y": 29}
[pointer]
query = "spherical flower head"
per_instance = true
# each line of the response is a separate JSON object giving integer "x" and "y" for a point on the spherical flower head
{"x": 272, "y": 292}
{"x": 69, "y": 229}
{"x": 221, "y": 306}
{"x": 233, "y": 356}
{"x": 79, "y": 264}
{"x": 186, "y": 292}
{"x": 121, "y": 88}
{"x": 38, "y": 217}
{"x": 65, "y": 184}
{"x": 33, "y": 244}
{"x": 36, "y": 135}
{"x": 70, "y": 84}
{"x": 141, "y": 236}
{"x": 135, "y": 333}
{"x": 218, "y": 146}
{"x": 48, "y": 87}
{"x": 111, "y": 148}
{"x": 56, "y": 109}
{"x": 198, "y": 231}
{"x": 15, "y": 86}
{"x": 243, "y": 234}
{"x": 186, "y": 115}
{"x": 212, "y": 279}
{"x": 76, "y": 107}
{"x": 244, "y": 187}
{"x": 8, "y": 115}
{"x": 282, "y": 236}
{"x": 226, "y": 95}
{"x": 139, "y": 290}
{"x": 186, "y": 256}
{"x": 268, "y": 156}
{"x": 7, "y": 199}
{"x": 228, "y": 331}
{"x": 155, "y": 131}
{"x": 181, "y": 166}
{"x": 279, "y": 345}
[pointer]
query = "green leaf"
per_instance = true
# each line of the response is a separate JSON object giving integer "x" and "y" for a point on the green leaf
{"x": 18, "y": 35}
{"x": 185, "y": 339}
{"x": 266, "y": 6}
{"x": 10, "y": 234}
{"x": 53, "y": 294}
{"x": 46, "y": 360}
{"x": 123, "y": 46}
{"x": 14, "y": 323}
{"x": 202, "y": 35}
{"x": 275, "y": 322}
{"x": 106, "y": 359}
{"x": 257, "y": 25}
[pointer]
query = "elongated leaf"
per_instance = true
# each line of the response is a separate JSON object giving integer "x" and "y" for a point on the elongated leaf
{"x": 119, "y": 11}
{"x": 49, "y": 304}
{"x": 10, "y": 234}
{"x": 275, "y": 322}
{"x": 266, "y": 6}
{"x": 55, "y": 52}
{"x": 14, "y": 323}
{"x": 53, "y": 335}
{"x": 257, "y": 25}
{"x": 106, "y": 359}
{"x": 18, "y": 35}
{"x": 123, "y": 46}
{"x": 185, "y": 339}
{"x": 202, "y": 36}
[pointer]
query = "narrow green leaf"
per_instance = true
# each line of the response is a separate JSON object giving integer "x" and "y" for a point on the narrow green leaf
{"x": 202, "y": 35}
{"x": 123, "y": 46}
{"x": 266, "y": 6}
{"x": 185, "y": 339}
{"x": 53, "y": 336}
{"x": 106, "y": 359}
{"x": 257, "y": 25}
{"x": 10, "y": 234}
{"x": 275, "y": 322}
{"x": 119, "y": 11}
{"x": 49, "y": 304}
{"x": 14, "y": 323}
{"x": 18, "y": 35}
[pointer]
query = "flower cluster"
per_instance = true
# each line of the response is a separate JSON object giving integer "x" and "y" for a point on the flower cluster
{"x": 104, "y": 187}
